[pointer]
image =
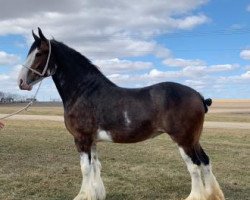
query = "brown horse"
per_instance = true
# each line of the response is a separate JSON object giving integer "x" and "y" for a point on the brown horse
{"x": 95, "y": 109}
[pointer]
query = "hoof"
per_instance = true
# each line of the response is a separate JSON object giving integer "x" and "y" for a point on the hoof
{"x": 216, "y": 197}
{"x": 91, "y": 196}
{"x": 80, "y": 197}
{"x": 194, "y": 197}
{"x": 216, "y": 194}
{"x": 83, "y": 196}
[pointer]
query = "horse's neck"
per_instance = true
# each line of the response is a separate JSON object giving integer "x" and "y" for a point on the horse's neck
{"x": 76, "y": 77}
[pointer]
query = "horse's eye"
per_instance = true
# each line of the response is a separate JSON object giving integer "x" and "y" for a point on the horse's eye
{"x": 38, "y": 54}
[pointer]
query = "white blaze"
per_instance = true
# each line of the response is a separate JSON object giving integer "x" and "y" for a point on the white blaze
{"x": 29, "y": 61}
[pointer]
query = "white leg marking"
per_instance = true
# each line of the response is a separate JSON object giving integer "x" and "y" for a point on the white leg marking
{"x": 92, "y": 186}
{"x": 103, "y": 135}
{"x": 197, "y": 189}
{"x": 87, "y": 191}
{"x": 98, "y": 183}
{"x": 211, "y": 185}
{"x": 127, "y": 120}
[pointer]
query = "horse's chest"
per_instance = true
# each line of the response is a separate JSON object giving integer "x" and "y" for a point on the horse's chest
{"x": 79, "y": 123}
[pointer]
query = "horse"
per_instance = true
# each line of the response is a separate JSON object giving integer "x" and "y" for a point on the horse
{"x": 96, "y": 109}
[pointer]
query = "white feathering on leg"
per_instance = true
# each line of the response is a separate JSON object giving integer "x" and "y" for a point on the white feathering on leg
{"x": 197, "y": 189}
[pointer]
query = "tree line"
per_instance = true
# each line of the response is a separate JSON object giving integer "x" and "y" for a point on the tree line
{"x": 13, "y": 98}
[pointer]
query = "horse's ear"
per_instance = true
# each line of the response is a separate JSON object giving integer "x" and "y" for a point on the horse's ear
{"x": 42, "y": 37}
{"x": 36, "y": 38}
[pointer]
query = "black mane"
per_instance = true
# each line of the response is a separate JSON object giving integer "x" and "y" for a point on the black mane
{"x": 75, "y": 75}
{"x": 66, "y": 50}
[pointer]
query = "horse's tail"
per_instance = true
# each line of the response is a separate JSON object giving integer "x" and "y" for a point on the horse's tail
{"x": 206, "y": 102}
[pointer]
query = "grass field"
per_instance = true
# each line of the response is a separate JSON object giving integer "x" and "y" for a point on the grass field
{"x": 38, "y": 161}
{"x": 36, "y": 109}
{"x": 221, "y": 110}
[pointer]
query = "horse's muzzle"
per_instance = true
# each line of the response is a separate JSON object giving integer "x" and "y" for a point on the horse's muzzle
{"x": 24, "y": 86}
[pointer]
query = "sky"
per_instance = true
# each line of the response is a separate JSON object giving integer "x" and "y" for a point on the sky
{"x": 200, "y": 43}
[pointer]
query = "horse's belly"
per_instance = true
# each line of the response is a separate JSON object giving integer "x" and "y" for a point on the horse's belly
{"x": 132, "y": 136}
{"x": 129, "y": 129}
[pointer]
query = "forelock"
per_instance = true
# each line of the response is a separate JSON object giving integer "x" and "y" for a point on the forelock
{"x": 35, "y": 45}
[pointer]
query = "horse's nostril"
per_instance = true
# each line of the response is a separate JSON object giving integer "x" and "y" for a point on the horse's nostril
{"x": 21, "y": 81}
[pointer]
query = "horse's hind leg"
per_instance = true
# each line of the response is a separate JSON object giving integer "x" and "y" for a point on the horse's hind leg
{"x": 211, "y": 185}
{"x": 193, "y": 164}
{"x": 197, "y": 161}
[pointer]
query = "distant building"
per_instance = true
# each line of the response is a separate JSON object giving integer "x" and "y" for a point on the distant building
{"x": 31, "y": 99}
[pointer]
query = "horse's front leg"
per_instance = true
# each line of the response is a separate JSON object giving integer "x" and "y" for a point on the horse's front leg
{"x": 92, "y": 186}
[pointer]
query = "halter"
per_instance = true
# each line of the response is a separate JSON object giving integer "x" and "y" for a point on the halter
{"x": 33, "y": 99}
{"x": 46, "y": 66}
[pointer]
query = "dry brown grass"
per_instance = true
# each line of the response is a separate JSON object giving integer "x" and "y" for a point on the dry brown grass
{"x": 33, "y": 110}
{"x": 221, "y": 110}
{"x": 230, "y": 105}
{"x": 38, "y": 161}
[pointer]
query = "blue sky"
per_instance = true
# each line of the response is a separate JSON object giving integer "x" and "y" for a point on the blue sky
{"x": 200, "y": 43}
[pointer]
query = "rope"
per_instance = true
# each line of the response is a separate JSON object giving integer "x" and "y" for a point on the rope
{"x": 26, "y": 107}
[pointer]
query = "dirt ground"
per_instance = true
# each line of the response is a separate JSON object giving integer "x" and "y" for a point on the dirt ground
{"x": 39, "y": 160}
{"x": 207, "y": 124}
{"x": 229, "y": 106}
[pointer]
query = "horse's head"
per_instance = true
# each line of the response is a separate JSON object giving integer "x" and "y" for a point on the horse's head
{"x": 39, "y": 63}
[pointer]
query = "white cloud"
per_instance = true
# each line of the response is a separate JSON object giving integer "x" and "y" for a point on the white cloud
{"x": 197, "y": 84}
{"x": 246, "y": 75}
{"x": 202, "y": 71}
{"x": 236, "y": 79}
{"x": 102, "y": 28}
{"x": 118, "y": 66}
{"x": 157, "y": 74}
{"x": 195, "y": 75}
{"x": 237, "y": 26}
{"x": 245, "y": 54}
{"x": 191, "y": 21}
{"x": 8, "y": 59}
{"x": 119, "y": 78}
{"x": 222, "y": 68}
{"x": 4, "y": 77}
{"x": 110, "y": 32}
{"x": 179, "y": 62}
{"x": 247, "y": 67}
{"x": 197, "y": 71}
{"x": 8, "y": 80}
{"x": 162, "y": 52}
{"x": 248, "y": 8}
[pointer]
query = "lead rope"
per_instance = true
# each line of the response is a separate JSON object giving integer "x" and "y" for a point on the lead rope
{"x": 26, "y": 107}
